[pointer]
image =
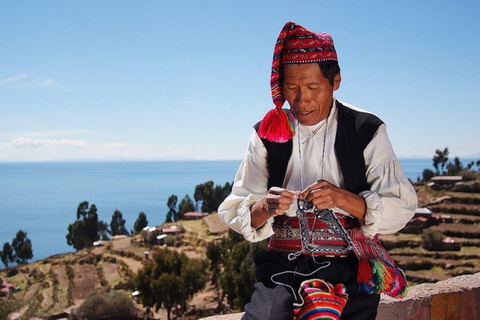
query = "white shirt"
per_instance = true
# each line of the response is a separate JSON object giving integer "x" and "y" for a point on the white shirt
{"x": 390, "y": 202}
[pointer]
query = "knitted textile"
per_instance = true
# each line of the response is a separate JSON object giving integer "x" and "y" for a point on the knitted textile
{"x": 295, "y": 44}
{"x": 376, "y": 271}
{"x": 288, "y": 239}
{"x": 321, "y": 300}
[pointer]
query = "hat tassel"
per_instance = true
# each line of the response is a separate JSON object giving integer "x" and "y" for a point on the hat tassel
{"x": 277, "y": 126}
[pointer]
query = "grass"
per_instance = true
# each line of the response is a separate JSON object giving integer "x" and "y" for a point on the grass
{"x": 464, "y": 195}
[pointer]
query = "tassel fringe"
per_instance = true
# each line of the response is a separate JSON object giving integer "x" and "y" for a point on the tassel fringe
{"x": 377, "y": 276}
{"x": 277, "y": 126}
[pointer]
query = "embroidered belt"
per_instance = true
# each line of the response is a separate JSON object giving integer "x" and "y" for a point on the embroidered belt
{"x": 376, "y": 271}
{"x": 287, "y": 238}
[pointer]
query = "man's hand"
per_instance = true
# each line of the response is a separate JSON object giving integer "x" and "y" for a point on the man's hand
{"x": 323, "y": 195}
{"x": 276, "y": 202}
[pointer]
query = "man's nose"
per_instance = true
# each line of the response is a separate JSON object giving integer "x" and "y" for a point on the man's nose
{"x": 303, "y": 98}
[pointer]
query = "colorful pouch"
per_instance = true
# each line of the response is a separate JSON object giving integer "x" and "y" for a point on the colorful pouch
{"x": 377, "y": 272}
{"x": 321, "y": 300}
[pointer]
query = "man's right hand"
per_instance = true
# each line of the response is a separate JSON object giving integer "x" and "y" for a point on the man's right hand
{"x": 276, "y": 202}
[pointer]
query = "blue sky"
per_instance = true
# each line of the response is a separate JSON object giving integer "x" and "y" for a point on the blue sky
{"x": 152, "y": 80}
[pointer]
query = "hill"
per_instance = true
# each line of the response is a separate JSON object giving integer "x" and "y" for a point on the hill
{"x": 456, "y": 216}
{"x": 52, "y": 287}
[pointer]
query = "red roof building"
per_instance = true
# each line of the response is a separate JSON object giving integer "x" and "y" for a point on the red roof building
{"x": 193, "y": 215}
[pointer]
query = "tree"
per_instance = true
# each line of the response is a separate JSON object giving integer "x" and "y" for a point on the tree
{"x": 215, "y": 252}
{"x": 170, "y": 278}
{"x": 239, "y": 268}
{"x": 7, "y": 254}
{"x": 172, "y": 209}
{"x": 117, "y": 225}
{"x": 427, "y": 175}
{"x": 140, "y": 223}
{"x": 103, "y": 230}
{"x": 186, "y": 205}
{"x": 22, "y": 246}
{"x": 454, "y": 168}
{"x": 210, "y": 196}
{"x": 87, "y": 228}
{"x": 440, "y": 160}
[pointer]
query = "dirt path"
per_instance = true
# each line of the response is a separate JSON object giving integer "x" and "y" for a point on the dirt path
{"x": 110, "y": 272}
{"x": 31, "y": 291}
{"x": 85, "y": 280}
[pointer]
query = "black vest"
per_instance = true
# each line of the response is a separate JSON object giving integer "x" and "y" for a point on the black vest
{"x": 355, "y": 130}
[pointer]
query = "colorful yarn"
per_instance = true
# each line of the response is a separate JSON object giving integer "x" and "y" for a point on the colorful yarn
{"x": 376, "y": 271}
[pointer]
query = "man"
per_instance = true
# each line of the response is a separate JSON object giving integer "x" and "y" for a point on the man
{"x": 332, "y": 155}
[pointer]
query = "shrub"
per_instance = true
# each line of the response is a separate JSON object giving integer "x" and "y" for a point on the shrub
{"x": 471, "y": 187}
{"x": 432, "y": 240}
{"x": 115, "y": 305}
{"x": 470, "y": 175}
{"x": 8, "y": 305}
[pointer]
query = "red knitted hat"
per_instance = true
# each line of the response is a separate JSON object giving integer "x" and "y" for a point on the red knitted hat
{"x": 295, "y": 44}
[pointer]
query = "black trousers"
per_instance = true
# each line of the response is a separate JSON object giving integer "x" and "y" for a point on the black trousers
{"x": 273, "y": 301}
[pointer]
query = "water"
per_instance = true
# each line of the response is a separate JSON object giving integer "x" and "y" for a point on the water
{"x": 42, "y": 198}
{"x": 413, "y": 168}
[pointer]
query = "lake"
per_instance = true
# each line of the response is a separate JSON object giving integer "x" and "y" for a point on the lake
{"x": 42, "y": 198}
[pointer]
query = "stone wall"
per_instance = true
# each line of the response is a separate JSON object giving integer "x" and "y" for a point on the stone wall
{"x": 453, "y": 299}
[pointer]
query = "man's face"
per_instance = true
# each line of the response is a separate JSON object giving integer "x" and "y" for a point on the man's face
{"x": 308, "y": 92}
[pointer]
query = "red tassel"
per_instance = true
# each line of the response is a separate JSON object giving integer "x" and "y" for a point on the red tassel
{"x": 276, "y": 126}
{"x": 364, "y": 272}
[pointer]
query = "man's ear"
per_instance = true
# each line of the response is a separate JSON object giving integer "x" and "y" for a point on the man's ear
{"x": 336, "y": 81}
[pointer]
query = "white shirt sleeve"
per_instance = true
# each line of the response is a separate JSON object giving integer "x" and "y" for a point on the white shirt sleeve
{"x": 391, "y": 200}
{"x": 249, "y": 187}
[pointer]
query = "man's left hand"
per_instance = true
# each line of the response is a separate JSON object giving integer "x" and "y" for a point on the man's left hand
{"x": 324, "y": 195}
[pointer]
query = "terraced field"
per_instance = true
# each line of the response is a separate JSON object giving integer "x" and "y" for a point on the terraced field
{"x": 52, "y": 286}
{"x": 464, "y": 226}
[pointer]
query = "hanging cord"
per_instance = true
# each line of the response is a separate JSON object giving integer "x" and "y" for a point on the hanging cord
{"x": 326, "y": 215}
{"x": 302, "y": 185}
{"x": 324, "y": 264}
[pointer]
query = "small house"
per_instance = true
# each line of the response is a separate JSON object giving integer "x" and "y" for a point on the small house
{"x": 449, "y": 244}
{"x": 172, "y": 230}
{"x": 193, "y": 215}
{"x": 444, "y": 182}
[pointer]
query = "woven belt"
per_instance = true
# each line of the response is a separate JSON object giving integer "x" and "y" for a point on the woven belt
{"x": 287, "y": 238}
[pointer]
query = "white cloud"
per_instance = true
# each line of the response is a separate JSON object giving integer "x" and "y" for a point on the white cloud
{"x": 114, "y": 145}
{"x": 43, "y": 134}
{"x": 38, "y": 82}
{"x": 61, "y": 149}
{"x": 14, "y": 79}
{"x": 23, "y": 142}
{"x": 18, "y": 119}
{"x": 25, "y": 80}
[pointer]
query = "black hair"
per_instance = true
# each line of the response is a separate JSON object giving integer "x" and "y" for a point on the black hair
{"x": 330, "y": 69}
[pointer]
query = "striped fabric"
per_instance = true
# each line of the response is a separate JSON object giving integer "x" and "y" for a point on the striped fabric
{"x": 295, "y": 44}
{"x": 287, "y": 237}
{"x": 377, "y": 272}
{"x": 321, "y": 301}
